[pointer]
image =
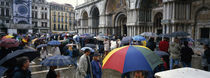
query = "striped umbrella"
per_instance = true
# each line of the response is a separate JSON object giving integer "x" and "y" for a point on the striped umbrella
{"x": 57, "y": 60}
{"x": 131, "y": 58}
{"x": 9, "y": 43}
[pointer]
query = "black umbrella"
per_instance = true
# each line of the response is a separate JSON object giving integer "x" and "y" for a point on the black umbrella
{"x": 90, "y": 45}
{"x": 10, "y": 59}
{"x": 179, "y": 34}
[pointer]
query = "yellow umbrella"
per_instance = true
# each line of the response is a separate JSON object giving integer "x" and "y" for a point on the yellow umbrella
{"x": 34, "y": 40}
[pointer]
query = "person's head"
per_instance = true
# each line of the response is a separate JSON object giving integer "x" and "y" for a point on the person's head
{"x": 140, "y": 74}
{"x": 96, "y": 56}
{"x": 87, "y": 52}
{"x": 185, "y": 43}
{"x": 176, "y": 40}
{"x": 53, "y": 67}
{"x": 151, "y": 39}
{"x": 206, "y": 46}
{"x": 23, "y": 63}
{"x": 166, "y": 39}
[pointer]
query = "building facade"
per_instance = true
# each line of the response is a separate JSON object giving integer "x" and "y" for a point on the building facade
{"x": 133, "y": 17}
{"x": 15, "y": 16}
{"x": 62, "y": 17}
{"x": 40, "y": 16}
{"x": 5, "y": 14}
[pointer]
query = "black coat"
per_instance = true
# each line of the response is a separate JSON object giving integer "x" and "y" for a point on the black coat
{"x": 186, "y": 54}
{"x": 207, "y": 55}
{"x": 151, "y": 45}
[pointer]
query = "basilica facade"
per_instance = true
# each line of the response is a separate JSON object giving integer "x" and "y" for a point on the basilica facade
{"x": 133, "y": 17}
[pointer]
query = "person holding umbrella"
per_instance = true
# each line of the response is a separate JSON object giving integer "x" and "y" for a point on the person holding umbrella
{"x": 175, "y": 55}
{"x": 84, "y": 68}
{"x": 22, "y": 70}
{"x": 52, "y": 73}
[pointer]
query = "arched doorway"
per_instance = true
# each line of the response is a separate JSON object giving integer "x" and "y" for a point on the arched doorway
{"x": 120, "y": 25}
{"x": 157, "y": 23}
{"x": 202, "y": 23}
{"x": 95, "y": 20}
{"x": 84, "y": 22}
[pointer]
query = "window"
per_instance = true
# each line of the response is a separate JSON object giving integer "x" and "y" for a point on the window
{"x": 7, "y": 21}
{"x": 54, "y": 26}
{"x": 62, "y": 27}
{"x": 35, "y": 24}
{"x": 7, "y": 12}
{"x": 58, "y": 19}
{"x": 66, "y": 19}
{"x": 66, "y": 28}
{"x": 45, "y": 15}
{"x": 45, "y": 8}
{"x": 2, "y": 11}
{"x": 35, "y": 7}
{"x": 58, "y": 26}
{"x": 2, "y": 3}
{"x": 62, "y": 19}
{"x": 32, "y": 7}
{"x": 36, "y": 14}
{"x": 32, "y": 14}
{"x": 45, "y": 24}
{"x": 42, "y": 15}
{"x": 7, "y": 3}
{"x": 42, "y": 8}
{"x": 54, "y": 19}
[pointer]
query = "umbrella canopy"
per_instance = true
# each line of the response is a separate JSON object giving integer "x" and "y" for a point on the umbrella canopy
{"x": 183, "y": 73}
{"x": 131, "y": 58}
{"x": 9, "y": 43}
{"x": 161, "y": 53}
{"x": 84, "y": 48}
{"x": 149, "y": 34}
{"x": 85, "y": 35}
{"x": 8, "y": 36}
{"x": 10, "y": 59}
{"x": 90, "y": 45}
{"x": 179, "y": 34}
{"x": 3, "y": 70}
{"x": 41, "y": 45}
{"x": 57, "y": 60}
{"x": 138, "y": 38}
{"x": 54, "y": 42}
{"x": 187, "y": 39}
{"x": 204, "y": 41}
{"x": 164, "y": 35}
{"x": 126, "y": 40}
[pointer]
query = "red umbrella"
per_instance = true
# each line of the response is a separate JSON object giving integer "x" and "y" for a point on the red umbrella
{"x": 9, "y": 43}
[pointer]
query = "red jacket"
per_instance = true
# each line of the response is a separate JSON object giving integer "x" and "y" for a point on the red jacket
{"x": 163, "y": 46}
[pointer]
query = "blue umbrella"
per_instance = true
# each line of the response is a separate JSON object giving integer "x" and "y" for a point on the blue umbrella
{"x": 164, "y": 35}
{"x": 10, "y": 59}
{"x": 3, "y": 70}
{"x": 57, "y": 60}
{"x": 187, "y": 39}
{"x": 84, "y": 48}
{"x": 126, "y": 40}
{"x": 161, "y": 53}
{"x": 54, "y": 42}
{"x": 138, "y": 38}
{"x": 41, "y": 45}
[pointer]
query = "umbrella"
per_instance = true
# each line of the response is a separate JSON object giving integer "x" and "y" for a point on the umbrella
{"x": 204, "y": 40}
{"x": 187, "y": 39}
{"x": 41, "y": 45}
{"x": 8, "y": 36}
{"x": 126, "y": 40}
{"x": 10, "y": 59}
{"x": 138, "y": 38}
{"x": 3, "y": 70}
{"x": 164, "y": 35}
{"x": 161, "y": 53}
{"x": 131, "y": 58}
{"x": 183, "y": 73}
{"x": 9, "y": 43}
{"x": 54, "y": 42}
{"x": 90, "y": 45}
{"x": 57, "y": 60}
{"x": 179, "y": 33}
{"x": 84, "y": 48}
{"x": 149, "y": 34}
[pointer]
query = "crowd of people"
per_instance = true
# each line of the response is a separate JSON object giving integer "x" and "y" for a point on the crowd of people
{"x": 88, "y": 64}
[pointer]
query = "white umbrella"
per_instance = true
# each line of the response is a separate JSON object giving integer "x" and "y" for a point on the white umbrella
{"x": 183, "y": 73}
{"x": 149, "y": 34}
